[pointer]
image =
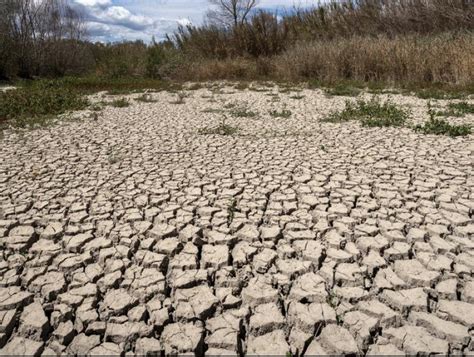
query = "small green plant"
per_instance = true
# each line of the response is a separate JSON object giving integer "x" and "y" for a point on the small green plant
{"x": 297, "y": 96}
{"x": 457, "y": 109}
{"x": 441, "y": 127}
{"x": 119, "y": 91}
{"x": 36, "y": 104}
{"x": 97, "y": 107}
{"x": 221, "y": 129}
{"x": 373, "y": 113}
{"x": 435, "y": 93}
{"x": 241, "y": 111}
{"x": 285, "y": 113}
{"x": 230, "y": 105}
{"x": 112, "y": 156}
{"x": 343, "y": 90}
{"x": 212, "y": 110}
{"x": 231, "y": 211}
{"x": 146, "y": 98}
{"x": 120, "y": 103}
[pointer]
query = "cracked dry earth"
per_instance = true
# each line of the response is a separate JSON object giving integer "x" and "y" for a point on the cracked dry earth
{"x": 135, "y": 235}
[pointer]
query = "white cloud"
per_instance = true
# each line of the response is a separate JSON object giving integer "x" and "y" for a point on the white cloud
{"x": 115, "y": 20}
{"x": 101, "y": 3}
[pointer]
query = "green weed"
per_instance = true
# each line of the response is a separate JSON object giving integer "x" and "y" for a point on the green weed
{"x": 222, "y": 129}
{"x": 120, "y": 103}
{"x": 35, "y": 105}
{"x": 285, "y": 113}
{"x": 373, "y": 113}
{"x": 442, "y": 127}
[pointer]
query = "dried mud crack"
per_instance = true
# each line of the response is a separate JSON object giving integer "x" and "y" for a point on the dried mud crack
{"x": 138, "y": 233}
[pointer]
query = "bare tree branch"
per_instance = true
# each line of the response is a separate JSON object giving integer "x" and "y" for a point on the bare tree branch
{"x": 230, "y": 13}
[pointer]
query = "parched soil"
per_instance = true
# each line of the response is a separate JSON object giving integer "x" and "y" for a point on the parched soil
{"x": 143, "y": 230}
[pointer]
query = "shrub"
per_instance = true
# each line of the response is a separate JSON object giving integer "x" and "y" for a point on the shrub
{"x": 120, "y": 103}
{"x": 285, "y": 113}
{"x": 442, "y": 127}
{"x": 221, "y": 129}
{"x": 373, "y": 114}
{"x": 38, "y": 102}
{"x": 458, "y": 109}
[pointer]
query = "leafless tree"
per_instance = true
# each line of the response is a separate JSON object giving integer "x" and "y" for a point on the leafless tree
{"x": 38, "y": 36}
{"x": 230, "y": 13}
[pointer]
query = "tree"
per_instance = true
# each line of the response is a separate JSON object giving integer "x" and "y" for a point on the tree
{"x": 230, "y": 13}
{"x": 40, "y": 37}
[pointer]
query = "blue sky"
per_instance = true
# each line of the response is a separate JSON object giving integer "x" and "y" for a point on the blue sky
{"x": 116, "y": 20}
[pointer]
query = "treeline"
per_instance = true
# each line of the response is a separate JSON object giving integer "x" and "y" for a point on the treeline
{"x": 423, "y": 41}
{"x": 41, "y": 38}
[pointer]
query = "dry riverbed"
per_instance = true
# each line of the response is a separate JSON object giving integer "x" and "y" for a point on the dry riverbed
{"x": 144, "y": 229}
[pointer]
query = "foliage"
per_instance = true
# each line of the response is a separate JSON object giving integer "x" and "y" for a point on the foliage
{"x": 120, "y": 103}
{"x": 285, "y": 113}
{"x": 38, "y": 102}
{"x": 442, "y": 127}
{"x": 222, "y": 129}
{"x": 372, "y": 113}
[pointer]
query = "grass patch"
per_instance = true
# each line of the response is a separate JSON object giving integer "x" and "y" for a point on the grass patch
{"x": 343, "y": 90}
{"x": 240, "y": 111}
{"x": 116, "y": 86}
{"x": 297, "y": 97}
{"x": 439, "y": 93}
{"x": 120, "y": 103}
{"x": 442, "y": 127}
{"x": 285, "y": 113}
{"x": 222, "y": 129}
{"x": 195, "y": 86}
{"x": 373, "y": 113}
{"x": 146, "y": 98}
{"x": 35, "y": 105}
{"x": 437, "y": 126}
{"x": 212, "y": 110}
{"x": 457, "y": 110}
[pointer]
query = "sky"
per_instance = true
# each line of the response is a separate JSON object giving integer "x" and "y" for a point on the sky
{"x": 118, "y": 20}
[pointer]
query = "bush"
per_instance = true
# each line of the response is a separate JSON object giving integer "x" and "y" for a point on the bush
{"x": 373, "y": 114}
{"x": 38, "y": 102}
{"x": 442, "y": 127}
